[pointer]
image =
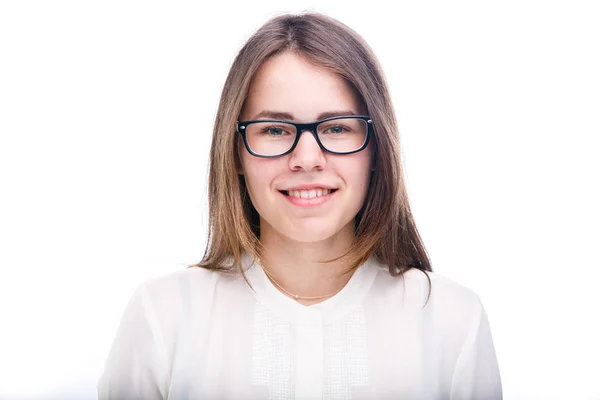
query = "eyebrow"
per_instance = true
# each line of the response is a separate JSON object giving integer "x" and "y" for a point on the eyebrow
{"x": 270, "y": 114}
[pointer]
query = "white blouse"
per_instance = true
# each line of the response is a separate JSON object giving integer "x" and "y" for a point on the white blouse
{"x": 196, "y": 334}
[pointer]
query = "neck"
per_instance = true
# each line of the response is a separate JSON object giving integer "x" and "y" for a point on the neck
{"x": 294, "y": 266}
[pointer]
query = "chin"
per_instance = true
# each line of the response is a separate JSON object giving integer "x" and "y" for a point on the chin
{"x": 309, "y": 230}
{"x": 303, "y": 238}
{"x": 310, "y": 234}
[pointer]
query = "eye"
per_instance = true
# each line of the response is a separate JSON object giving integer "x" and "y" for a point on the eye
{"x": 273, "y": 130}
{"x": 336, "y": 129}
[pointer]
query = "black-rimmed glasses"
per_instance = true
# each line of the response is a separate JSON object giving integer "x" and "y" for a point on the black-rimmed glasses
{"x": 275, "y": 138}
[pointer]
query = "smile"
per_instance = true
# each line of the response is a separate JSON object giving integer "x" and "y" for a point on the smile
{"x": 308, "y": 198}
{"x": 308, "y": 194}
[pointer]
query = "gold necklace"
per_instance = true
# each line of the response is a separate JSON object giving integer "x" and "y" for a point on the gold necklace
{"x": 295, "y": 296}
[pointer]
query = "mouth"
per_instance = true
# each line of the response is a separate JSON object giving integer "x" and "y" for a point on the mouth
{"x": 307, "y": 194}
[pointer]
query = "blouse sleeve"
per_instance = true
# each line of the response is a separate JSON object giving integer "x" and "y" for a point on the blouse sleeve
{"x": 476, "y": 375}
{"x": 136, "y": 365}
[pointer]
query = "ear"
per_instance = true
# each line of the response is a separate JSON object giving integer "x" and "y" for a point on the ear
{"x": 239, "y": 168}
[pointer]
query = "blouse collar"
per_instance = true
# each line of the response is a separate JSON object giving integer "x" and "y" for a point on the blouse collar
{"x": 346, "y": 300}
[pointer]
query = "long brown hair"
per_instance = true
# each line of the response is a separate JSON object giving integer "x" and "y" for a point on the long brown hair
{"x": 384, "y": 227}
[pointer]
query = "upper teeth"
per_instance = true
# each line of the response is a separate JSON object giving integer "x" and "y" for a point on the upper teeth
{"x": 309, "y": 194}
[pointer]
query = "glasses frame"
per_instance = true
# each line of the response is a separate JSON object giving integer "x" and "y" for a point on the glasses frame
{"x": 241, "y": 127}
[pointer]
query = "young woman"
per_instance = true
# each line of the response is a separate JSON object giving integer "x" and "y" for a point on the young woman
{"x": 315, "y": 283}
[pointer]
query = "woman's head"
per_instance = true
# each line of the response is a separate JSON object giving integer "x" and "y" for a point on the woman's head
{"x": 306, "y": 65}
{"x": 288, "y": 87}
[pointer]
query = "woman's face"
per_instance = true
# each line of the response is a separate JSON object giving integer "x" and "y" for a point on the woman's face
{"x": 288, "y": 84}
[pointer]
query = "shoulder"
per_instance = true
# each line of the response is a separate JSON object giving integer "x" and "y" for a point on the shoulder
{"x": 448, "y": 313}
{"x": 171, "y": 300}
{"x": 443, "y": 288}
{"x": 181, "y": 282}
{"x": 180, "y": 291}
{"x": 431, "y": 291}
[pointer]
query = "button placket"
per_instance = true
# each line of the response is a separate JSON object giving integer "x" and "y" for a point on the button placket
{"x": 309, "y": 360}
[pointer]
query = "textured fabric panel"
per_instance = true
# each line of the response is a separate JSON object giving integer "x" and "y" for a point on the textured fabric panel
{"x": 346, "y": 360}
{"x": 273, "y": 355}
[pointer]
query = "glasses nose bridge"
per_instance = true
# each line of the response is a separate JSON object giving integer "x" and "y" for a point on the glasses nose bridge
{"x": 312, "y": 128}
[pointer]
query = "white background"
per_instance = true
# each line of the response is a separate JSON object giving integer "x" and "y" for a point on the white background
{"x": 106, "y": 113}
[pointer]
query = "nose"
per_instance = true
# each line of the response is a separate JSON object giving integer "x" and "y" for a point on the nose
{"x": 308, "y": 154}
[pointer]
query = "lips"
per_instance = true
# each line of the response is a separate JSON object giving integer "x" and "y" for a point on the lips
{"x": 309, "y": 186}
{"x": 308, "y": 199}
{"x": 297, "y": 191}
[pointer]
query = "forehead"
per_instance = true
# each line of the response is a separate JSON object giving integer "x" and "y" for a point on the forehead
{"x": 288, "y": 83}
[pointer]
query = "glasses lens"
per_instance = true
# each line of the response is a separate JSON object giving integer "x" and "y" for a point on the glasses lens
{"x": 270, "y": 138}
{"x": 343, "y": 135}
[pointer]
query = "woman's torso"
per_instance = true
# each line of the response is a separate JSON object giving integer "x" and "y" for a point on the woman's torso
{"x": 375, "y": 339}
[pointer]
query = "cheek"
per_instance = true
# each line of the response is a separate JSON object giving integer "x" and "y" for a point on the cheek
{"x": 360, "y": 170}
{"x": 258, "y": 174}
